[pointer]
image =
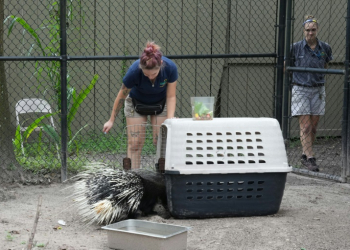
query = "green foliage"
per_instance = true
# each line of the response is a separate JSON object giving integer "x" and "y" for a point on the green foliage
{"x": 9, "y": 237}
{"x": 53, "y": 73}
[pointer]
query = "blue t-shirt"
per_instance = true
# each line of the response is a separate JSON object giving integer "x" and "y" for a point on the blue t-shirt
{"x": 304, "y": 56}
{"x": 143, "y": 89}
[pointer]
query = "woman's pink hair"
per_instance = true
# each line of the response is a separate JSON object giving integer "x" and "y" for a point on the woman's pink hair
{"x": 151, "y": 57}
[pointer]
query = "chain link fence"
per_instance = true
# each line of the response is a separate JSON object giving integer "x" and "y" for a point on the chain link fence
{"x": 227, "y": 49}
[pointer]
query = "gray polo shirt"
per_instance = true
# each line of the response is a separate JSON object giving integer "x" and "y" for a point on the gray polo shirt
{"x": 303, "y": 56}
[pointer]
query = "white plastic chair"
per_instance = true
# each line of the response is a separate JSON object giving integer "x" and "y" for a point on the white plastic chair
{"x": 32, "y": 105}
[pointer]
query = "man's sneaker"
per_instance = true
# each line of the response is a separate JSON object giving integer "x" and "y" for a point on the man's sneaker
{"x": 303, "y": 159}
{"x": 311, "y": 164}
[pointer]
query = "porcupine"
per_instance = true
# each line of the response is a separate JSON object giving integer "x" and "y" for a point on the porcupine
{"x": 105, "y": 195}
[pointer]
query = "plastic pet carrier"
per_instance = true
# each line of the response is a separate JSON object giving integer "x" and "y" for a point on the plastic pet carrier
{"x": 223, "y": 167}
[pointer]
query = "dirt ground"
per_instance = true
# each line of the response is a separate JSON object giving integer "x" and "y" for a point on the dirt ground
{"x": 314, "y": 214}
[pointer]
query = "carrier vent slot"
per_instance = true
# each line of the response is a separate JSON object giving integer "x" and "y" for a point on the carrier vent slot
{"x": 230, "y": 190}
{"x": 209, "y": 141}
{"x": 199, "y": 141}
{"x": 199, "y": 148}
{"x": 210, "y": 190}
{"x": 221, "y": 162}
{"x": 199, "y": 197}
{"x": 221, "y": 183}
{"x": 189, "y": 183}
{"x": 240, "y": 182}
{"x": 260, "y": 189}
{"x": 262, "y": 161}
{"x": 250, "y": 154}
{"x": 199, "y": 162}
{"x": 220, "y": 190}
{"x": 229, "y": 140}
{"x": 210, "y": 197}
{"x": 189, "y": 155}
{"x": 229, "y": 147}
{"x": 220, "y": 197}
{"x": 261, "y": 182}
{"x": 249, "y": 196}
{"x": 228, "y": 133}
{"x": 258, "y": 140}
{"x": 249, "y": 140}
{"x": 210, "y": 148}
{"x": 257, "y": 133}
{"x": 230, "y": 155}
{"x": 261, "y": 154}
{"x": 189, "y": 163}
{"x": 230, "y": 182}
{"x": 189, "y": 148}
{"x": 209, "y": 183}
{"x": 199, "y": 155}
{"x": 219, "y": 141}
{"x": 250, "y": 182}
{"x": 218, "y": 133}
{"x": 219, "y": 148}
{"x": 189, "y": 134}
{"x": 210, "y": 162}
{"x": 230, "y": 162}
{"x": 250, "y": 147}
{"x": 199, "y": 183}
{"x": 209, "y": 134}
{"x": 189, "y": 190}
{"x": 189, "y": 141}
{"x": 248, "y": 133}
{"x": 238, "y": 133}
{"x": 199, "y": 190}
{"x": 239, "y": 140}
{"x": 229, "y": 196}
{"x": 251, "y": 161}
{"x": 259, "y": 196}
{"x": 199, "y": 134}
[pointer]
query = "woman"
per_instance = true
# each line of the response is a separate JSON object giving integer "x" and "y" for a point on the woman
{"x": 308, "y": 92}
{"x": 150, "y": 83}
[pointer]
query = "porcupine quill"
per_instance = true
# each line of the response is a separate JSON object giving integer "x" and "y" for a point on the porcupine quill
{"x": 104, "y": 195}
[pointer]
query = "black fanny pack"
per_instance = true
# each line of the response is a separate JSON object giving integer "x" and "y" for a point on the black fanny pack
{"x": 149, "y": 109}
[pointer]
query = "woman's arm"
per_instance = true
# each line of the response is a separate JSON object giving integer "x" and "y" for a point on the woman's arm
{"x": 118, "y": 104}
{"x": 171, "y": 99}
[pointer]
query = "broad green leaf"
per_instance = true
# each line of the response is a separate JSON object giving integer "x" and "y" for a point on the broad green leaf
{"x": 80, "y": 98}
{"x": 18, "y": 139}
{"x": 52, "y": 133}
{"x": 35, "y": 124}
{"x": 28, "y": 28}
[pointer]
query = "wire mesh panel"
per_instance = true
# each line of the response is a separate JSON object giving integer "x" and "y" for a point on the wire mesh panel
{"x": 315, "y": 132}
{"x": 226, "y": 49}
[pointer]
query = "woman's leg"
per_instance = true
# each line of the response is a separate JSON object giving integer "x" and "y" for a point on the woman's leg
{"x": 136, "y": 129}
{"x": 308, "y": 125}
{"x": 156, "y": 122}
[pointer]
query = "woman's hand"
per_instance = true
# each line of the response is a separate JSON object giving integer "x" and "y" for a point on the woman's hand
{"x": 107, "y": 126}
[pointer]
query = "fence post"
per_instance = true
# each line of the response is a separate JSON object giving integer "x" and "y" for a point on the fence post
{"x": 286, "y": 73}
{"x": 280, "y": 61}
{"x": 346, "y": 110}
{"x": 64, "y": 127}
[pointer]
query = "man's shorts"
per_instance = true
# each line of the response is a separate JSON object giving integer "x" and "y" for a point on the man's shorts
{"x": 131, "y": 113}
{"x": 308, "y": 100}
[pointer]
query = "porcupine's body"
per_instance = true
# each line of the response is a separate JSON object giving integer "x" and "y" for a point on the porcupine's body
{"x": 105, "y": 195}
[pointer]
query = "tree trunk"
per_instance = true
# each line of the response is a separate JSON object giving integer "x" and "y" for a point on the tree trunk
{"x": 10, "y": 170}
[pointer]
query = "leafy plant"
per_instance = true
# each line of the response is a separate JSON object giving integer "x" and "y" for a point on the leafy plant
{"x": 76, "y": 101}
{"x": 52, "y": 72}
